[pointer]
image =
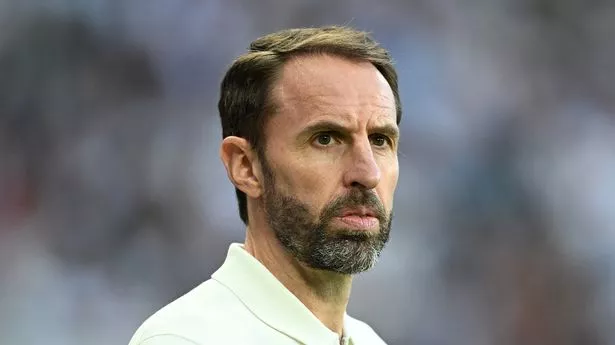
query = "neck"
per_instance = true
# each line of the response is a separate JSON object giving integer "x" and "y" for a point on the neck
{"x": 324, "y": 293}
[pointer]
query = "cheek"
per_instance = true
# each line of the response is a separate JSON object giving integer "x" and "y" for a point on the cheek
{"x": 388, "y": 182}
{"x": 315, "y": 184}
{"x": 313, "y": 181}
{"x": 303, "y": 178}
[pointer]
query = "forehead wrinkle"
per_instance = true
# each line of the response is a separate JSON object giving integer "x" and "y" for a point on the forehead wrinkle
{"x": 321, "y": 111}
{"x": 307, "y": 69}
{"x": 328, "y": 103}
{"x": 299, "y": 89}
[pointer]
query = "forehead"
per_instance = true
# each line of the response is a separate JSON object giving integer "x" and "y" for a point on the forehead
{"x": 323, "y": 85}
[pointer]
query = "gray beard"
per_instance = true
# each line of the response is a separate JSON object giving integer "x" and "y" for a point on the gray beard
{"x": 317, "y": 244}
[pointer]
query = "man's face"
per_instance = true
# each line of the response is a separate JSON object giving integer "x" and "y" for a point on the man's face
{"x": 330, "y": 163}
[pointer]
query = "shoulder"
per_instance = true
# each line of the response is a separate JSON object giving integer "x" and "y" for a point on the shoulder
{"x": 361, "y": 332}
{"x": 208, "y": 313}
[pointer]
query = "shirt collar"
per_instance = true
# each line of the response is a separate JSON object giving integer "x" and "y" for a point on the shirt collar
{"x": 269, "y": 300}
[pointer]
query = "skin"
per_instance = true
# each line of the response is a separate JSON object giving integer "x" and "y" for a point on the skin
{"x": 334, "y": 129}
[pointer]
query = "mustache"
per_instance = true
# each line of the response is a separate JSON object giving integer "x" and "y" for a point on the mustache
{"x": 356, "y": 198}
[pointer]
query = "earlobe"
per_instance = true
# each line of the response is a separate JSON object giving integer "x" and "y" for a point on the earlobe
{"x": 239, "y": 160}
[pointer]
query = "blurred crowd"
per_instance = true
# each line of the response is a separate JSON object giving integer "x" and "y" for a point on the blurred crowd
{"x": 113, "y": 200}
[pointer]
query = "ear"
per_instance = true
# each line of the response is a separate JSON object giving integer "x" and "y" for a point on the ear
{"x": 242, "y": 166}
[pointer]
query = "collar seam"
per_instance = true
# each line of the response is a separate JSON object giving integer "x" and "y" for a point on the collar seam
{"x": 253, "y": 312}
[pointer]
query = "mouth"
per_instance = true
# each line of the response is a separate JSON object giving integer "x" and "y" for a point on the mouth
{"x": 362, "y": 218}
{"x": 358, "y": 212}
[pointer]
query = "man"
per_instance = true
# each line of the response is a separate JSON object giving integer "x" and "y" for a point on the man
{"x": 310, "y": 126}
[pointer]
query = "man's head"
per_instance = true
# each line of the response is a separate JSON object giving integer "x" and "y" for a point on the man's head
{"x": 309, "y": 120}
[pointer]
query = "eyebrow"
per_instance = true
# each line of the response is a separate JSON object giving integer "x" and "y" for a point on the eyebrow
{"x": 389, "y": 130}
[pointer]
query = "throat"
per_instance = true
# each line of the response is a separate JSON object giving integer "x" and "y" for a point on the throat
{"x": 326, "y": 295}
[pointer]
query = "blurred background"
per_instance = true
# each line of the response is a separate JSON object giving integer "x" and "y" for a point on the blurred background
{"x": 113, "y": 200}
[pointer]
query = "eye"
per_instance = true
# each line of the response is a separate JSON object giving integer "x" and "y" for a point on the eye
{"x": 324, "y": 139}
{"x": 379, "y": 139}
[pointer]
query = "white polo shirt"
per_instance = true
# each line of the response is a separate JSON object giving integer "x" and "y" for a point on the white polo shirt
{"x": 244, "y": 304}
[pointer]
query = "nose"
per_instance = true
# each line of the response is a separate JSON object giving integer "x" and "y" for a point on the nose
{"x": 363, "y": 170}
